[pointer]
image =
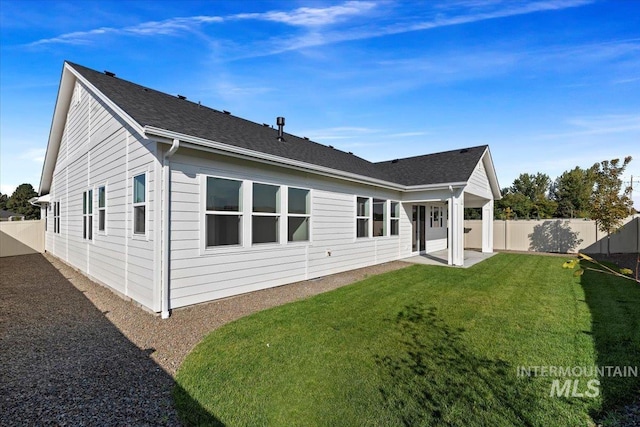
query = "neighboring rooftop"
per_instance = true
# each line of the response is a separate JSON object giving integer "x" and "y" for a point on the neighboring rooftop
{"x": 149, "y": 107}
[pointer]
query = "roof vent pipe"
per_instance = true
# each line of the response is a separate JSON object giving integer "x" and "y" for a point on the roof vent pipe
{"x": 280, "y": 123}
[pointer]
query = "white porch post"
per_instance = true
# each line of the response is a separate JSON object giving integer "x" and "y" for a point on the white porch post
{"x": 487, "y": 227}
{"x": 456, "y": 228}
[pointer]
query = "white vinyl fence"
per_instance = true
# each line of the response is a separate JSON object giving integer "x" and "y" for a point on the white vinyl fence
{"x": 555, "y": 235}
{"x": 21, "y": 237}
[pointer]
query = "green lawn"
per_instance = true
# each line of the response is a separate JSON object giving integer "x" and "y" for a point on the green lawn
{"x": 425, "y": 345}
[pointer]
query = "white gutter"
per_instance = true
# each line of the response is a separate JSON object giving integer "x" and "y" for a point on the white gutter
{"x": 234, "y": 151}
{"x": 166, "y": 225}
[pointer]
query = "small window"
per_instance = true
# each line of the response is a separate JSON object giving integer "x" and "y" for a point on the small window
{"x": 87, "y": 215}
{"x": 56, "y": 217}
{"x": 102, "y": 208}
{"x": 379, "y": 217}
{"x": 395, "y": 218}
{"x": 362, "y": 216}
{"x": 139, "y": 204}
{"x": 299, "y": 216}
{"x": 437, "y": 216}
{"x": 223, "y": 212}
{"x": 266, "y": 214}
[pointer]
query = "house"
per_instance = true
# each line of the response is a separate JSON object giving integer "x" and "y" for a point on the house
{"x": 172, "y": 203}
{"x": 6, "y": 215}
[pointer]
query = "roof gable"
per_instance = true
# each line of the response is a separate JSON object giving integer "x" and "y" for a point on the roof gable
{"x": 146, "y": 108}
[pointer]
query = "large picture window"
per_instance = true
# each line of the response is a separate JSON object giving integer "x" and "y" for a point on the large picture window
{"x": 299, "y": 215}
{"x": 139, "y": 204}
{"x": 395, "y": 218}
{"x": 102, "y": 208}
{"x": 265, "y": 219}
{"x": 87, "y": 215}
{"x": 379, "y": 217}
{"x": 363, "y": 212}
{"x": 223, "y": 212}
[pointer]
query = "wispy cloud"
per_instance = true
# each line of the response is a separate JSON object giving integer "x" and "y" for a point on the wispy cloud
{"x": 312, "y": 16}
{"x": 318, "y": 23}
{"x": 34, "y": 154}
{"x": 314, "y": 39}
{"x": 167, "y": 27}
{"x": 598, "y": 125}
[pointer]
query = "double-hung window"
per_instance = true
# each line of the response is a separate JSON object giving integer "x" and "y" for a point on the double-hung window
{"x": 437, "y": 216}
{"x": 299, "y": 214}
{"x": 362, "y": 216}
{"x": 139, "y": 203}
{"x": 87, "y": 215}
{"x": 265, "y": 219}
{"x": 395, "y": 218}
{"x": 223, "y": 212}
{"x": 102, "y": 208}
{"x": 379, "y": 217}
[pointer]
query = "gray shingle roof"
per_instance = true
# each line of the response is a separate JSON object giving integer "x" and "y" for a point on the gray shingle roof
{"x": 149, "y": 107}
{"x": 437, "y": 168}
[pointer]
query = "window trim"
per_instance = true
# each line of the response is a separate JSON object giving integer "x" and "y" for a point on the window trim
{"x": 366, "y": 217}
{"x": 440, "y": 219}
{"x": 56, "y": 217}
{"x": 240, "y": 212}
{"x": 394, "y": 218}
{"x": 87, "y": 215}
{"x": 385, "y": 217}
{"x": 103, "y": 209}
{"x": 277, "y": 214}
{"x": 298, "y": 215}
{"x": 144, "y": 204}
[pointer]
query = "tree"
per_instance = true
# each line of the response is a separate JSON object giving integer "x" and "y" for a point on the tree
{"x": 3, "y": 201}
{"x": 19, "y": 202}
{"x": 572, "y": 192}
{"x": 610, "y": 204}
{"x": 528, "y": 197}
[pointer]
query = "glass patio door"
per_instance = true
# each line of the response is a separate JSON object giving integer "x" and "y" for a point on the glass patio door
{"x": 419, "y": 225}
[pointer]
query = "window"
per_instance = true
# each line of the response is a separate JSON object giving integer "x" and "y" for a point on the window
{"x": 266, "y": 213}
{"x": 87, "y": 215}
{"x": 223, "y": 212}
{"x": 56, "y": 217}
{"x": 437, "y": 217}
{"x": 298, "y": 215}
{"x": 379, "y": 217}
{"x": 362, "y": 216}
{"x": 139, "y": 204}
{"x": 102, "y": 208}
{"x": 395, "y": 218}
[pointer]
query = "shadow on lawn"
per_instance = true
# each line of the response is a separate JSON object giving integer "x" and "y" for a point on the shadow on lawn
{"x": 431, "y": 377}
{"x": 64, "y": 363}
{"x": 614, "y": 304}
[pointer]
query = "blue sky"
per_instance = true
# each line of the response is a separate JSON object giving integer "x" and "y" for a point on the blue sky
{"x": 549, "y": 85}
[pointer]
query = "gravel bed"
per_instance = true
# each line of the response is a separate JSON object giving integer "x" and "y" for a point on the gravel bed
{"x": 72, "y": 352}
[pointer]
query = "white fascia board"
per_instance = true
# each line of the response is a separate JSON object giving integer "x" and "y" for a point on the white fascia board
{"x": 63, "y": 99}
{"x": 239, "y": 152}
{"x": 489, "y": 167}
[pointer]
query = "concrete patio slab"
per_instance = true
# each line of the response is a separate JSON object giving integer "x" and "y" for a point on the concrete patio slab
{"x": 440, "y": 258}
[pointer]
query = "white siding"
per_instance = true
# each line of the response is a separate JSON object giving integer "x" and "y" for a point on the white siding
{"x": 479, "y": 183}
{"x": 199, "y": 275}
{"x": 98, "y": 150}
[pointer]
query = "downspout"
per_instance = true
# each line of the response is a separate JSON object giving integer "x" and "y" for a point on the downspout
{"x": 166, "y": 225}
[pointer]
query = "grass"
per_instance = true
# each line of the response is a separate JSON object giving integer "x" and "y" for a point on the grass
{"x": 425, "y": 345}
